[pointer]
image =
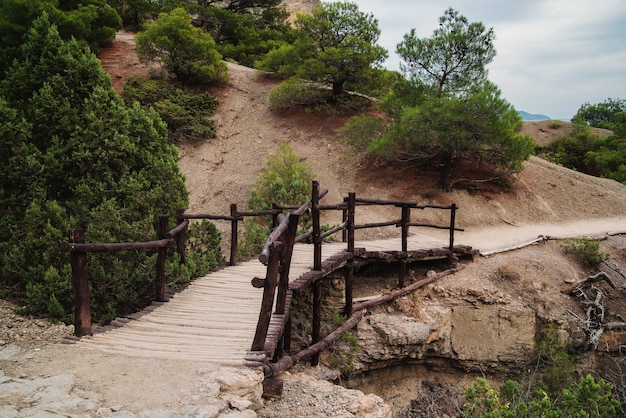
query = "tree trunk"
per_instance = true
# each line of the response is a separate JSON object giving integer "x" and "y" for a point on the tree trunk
{"x": 446, "y": 172}
{"x": 337, "y": 88}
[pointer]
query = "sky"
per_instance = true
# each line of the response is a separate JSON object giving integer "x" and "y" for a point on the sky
{"x": 552, "y": 56}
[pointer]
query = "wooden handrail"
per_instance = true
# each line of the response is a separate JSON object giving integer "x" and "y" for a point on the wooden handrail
{"x": 276, "y": 255}
{"x": 114, "y": 246}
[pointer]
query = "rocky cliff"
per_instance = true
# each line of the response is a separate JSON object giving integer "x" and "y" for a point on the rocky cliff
{"x": 300, "y": 6}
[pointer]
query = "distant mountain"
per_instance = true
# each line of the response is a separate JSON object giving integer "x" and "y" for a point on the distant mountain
{"x": 526, "y": 117}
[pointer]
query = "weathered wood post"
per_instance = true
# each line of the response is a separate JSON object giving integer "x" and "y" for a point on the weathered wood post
{"x": 289, "y": 239}
{"x": 234, "y": 234}
{"x": 180, "y": 238}
{"x": 453, "y": 209}
{"x": 344, "y": 218}
{"x": 80, "y": 282}
{"x": 275, "y": 220}
{"x": 162, "y": 256}
{"x": 269, "y": 288}
{"x": 349, "y": 269}
{"x": 317, "y": 265}
{"x": 406, "y": 219}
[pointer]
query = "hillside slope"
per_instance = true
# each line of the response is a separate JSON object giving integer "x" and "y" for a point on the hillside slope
{"x": 222, "y": 170}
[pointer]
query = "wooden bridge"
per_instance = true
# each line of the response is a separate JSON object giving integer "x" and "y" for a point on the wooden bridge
{"x": 215, "y": 318}
{"x": 239, "y": 315}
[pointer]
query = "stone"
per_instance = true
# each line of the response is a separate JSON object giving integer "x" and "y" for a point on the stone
{"x": 238, "y": 403}
{"x": 492, "y": 333}
{"x": 7, "y": 411}
{"x": 244, "y": 382}
{"x": 393, "y": 337}
{"x": 158, "y": 414}
{"x": 239, "y": 414}
{"x": 206, "y": 411}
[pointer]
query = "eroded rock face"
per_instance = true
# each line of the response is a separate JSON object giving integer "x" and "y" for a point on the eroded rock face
{"x": 390, "y": 338}
{"x": 493, "y": 334}
{"x": 472, "y": 335}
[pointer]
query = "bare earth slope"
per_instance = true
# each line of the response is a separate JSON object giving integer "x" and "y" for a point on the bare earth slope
{"x": 223, "y": 170}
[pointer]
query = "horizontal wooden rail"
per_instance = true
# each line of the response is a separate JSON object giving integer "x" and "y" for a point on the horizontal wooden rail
{"x": 435, "y": 226}
{"x": 178, "y": 230}
{"x": 361, "y": 200}
{"x": 282, "y": 228}
{"x": 378, "y": 224}
{"x": 209, "y": 217}
{"x": 115, "y": 246}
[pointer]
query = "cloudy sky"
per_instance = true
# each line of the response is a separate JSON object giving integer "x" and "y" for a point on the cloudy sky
{"x": 552, "y": 55}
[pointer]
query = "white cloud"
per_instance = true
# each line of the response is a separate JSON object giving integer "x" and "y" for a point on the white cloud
{"x": 552, "y": 55}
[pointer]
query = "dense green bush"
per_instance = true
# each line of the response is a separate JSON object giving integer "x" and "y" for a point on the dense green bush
{"x": 553, "y": 390}
{"x": 185, "y": 111}
{"x": 91, "y": 22}
{"x": 296, "y": 92}
{"x": 75, "y": 156}
{"x": 587, "y": 397}
{"x": 586, "y": 250}
{"x": 359, "y": 131}
{"x": 584, "y": 151}
{"x": 183, "y": 50}
{"x": 335, "y": 44}
{"x": 284, "y": 180}
{"x": 242, "y": 33}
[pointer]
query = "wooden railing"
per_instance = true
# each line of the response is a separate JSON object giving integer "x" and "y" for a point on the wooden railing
{"x": 78, "y": 249}
{"x": 273, "y": 332}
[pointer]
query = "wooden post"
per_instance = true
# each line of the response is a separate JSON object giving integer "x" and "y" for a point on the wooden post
{"x": 275, "y": 220}
{"x": 344, "y": 218}
{"x": 80, "y": 282}
{"x": 349, "y": 269}
{"x": 287, "y": 253}
{"x": 453, "y": 209}
{"x": 265, "y": 314}
{"x": 317, "y": 265}
{"x": 289, "y": 239}
{"x": 315, "y": 214}
{"x": 162, "y": 256}
{"x": 406, "y": 219}
{"x": 180, "y": 238}
{"x": 234, "y": 234}
{"x": 287, "y": 336}
{"x": 317, "y": 318}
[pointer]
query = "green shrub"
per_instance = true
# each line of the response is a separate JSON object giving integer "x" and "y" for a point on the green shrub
{"x": 182, "y": 49}
{"x": 203, "y": 253}
{"x": 586, "y": 250}
{"x": 341, "y": 355}
{"x": 555, "y": 124}
{"x": 284, "y": 180}
{"x": 76, "y": 156}
{"x": 557, "y": 393}
{"x": 296, "y": 92}
{"x": 255, "y": 234}
{"x": 554, "y": 362}
{"x": 185, "y": 111}
{"x": 359, "y": 131}
{"x": 584, "y": 398}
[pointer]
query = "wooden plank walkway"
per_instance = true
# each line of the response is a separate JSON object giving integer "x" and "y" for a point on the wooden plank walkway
{"x": 205, "y": 322}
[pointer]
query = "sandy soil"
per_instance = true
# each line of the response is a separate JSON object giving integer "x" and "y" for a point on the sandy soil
{"x": 222, "y": 170}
